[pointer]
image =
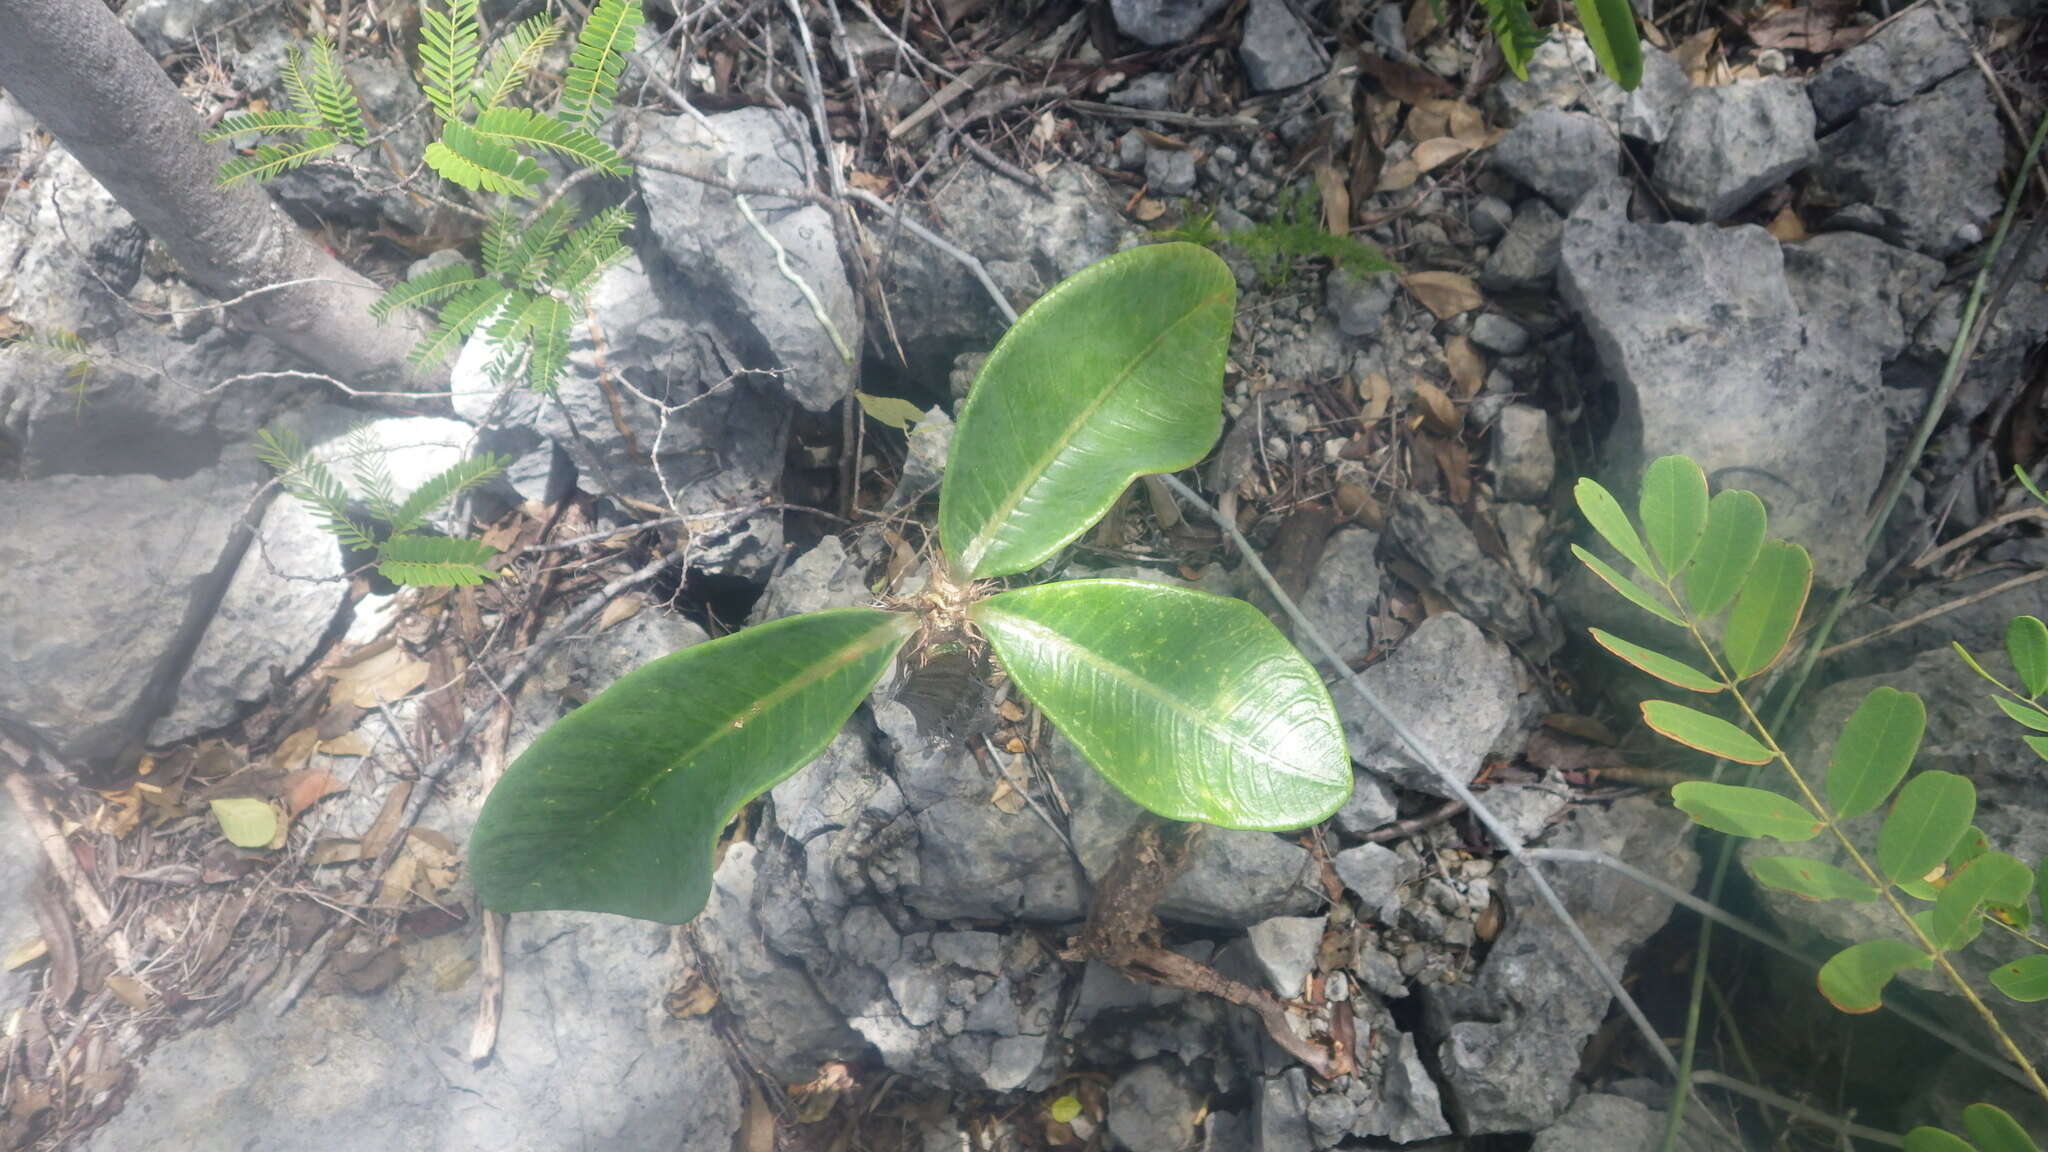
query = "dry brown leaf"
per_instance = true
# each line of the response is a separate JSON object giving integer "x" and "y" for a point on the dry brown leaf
{"x": 380, "y": 678}
{"x": 1421, "y": 21}
{"x": 814, "y": 1101}
{"x": 1456, "y": 465}
{"x": 624, "y": 608}
{"x": 693, "y": 995}
{"x": 1336, "y": 196}
{"x": 304, "y": 788}
{"x": 1011, "y": 711}
{"x": 1006, "y": 798}
{"x": 1356, "y": 503}
{"x": 902, "y": 558}
{"x": 25, "y": 954}
{"x": 1366, "y": 158}
{"x": 1468, "y": 371}
{"x": 1399, "y": 175}
{"x": 1445, "y": 294}
{"x": 1427, "y": 121}
{"x": 1433, "y": 154}
{"x": 757, "y": 1127}
{"x": 398, "y": 881}
{"x": 385, "y": 826}
{"x": 131, "y": 991}
{"x": 1695, "y": 54}
{"x": 1148, "y": 209}
{"x": 1787, "y": 226}
{"x": 1815, "y": 28}
{"x": 1436, "y": 408}
{"x": 346, "y": 744}
{"x": 330, "y": 850}
{"x": 1374, "y": 394}
{"x": 294, "y": 750}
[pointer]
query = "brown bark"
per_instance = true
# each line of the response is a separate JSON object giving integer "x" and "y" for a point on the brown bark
{"x": 78, "y": 71}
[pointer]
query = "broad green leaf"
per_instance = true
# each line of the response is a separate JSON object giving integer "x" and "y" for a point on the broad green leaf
{"x": 1924, "y": 920}
{"x": 1751, "y": 813}
{"x": 888, "y": 410}
{"x": 1629, "y": 589}
{"x": 1064, "y": 1109}
{"x": 1709, "y": 734}
{"x": 1924, "y": 1139}
{"x": 2038, "y": 743}
{"x": 1674, "y": 672}
{"x": 1993, "y": 878}
{"x": 1115, "y": 373}
{"x": 1809, "y": 879}
{"x": 1610, "y": 27}
{"x": 2026, "y": 644}
{"x": 1192, "y": 705}
{"x": 1727, "y": 551}
{"x": 618, "y": 806}
{"x": 2024, "y": 980}
{"x": 1768, "y": 608}
{"x": 1604, "y": 513}
{"x": 1932, "y": 811}
{"x": 1875, "y": 750}
{"x": 2031, "y": 717}
{"x": 1970, "y": 845}
{"x": 246, "y": 821}
{"x": 1853, "y": 979}
{"x": 1994, "y": 1131}
{"x": 1673, "y": 509}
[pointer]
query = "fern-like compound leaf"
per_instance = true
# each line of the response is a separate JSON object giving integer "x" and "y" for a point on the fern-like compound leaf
{"x": 1516, "y": 33}
{"x": 546, "y": 328}
{"x": 459, "y": 317}
{"x": 600, "y": 55}
{"x": 270, "y": 160}
{"x": 448, "y": 55}
{"x": 434, "y": 561}
{"x": 464, "y": 158}
{"x": 588, "y": 252}
{"x": 372, "y": 471}
{"x": 280, "y": 122}
{"x": 525, "y": 130}
{"x": 514, "y": 58}
{"x": 504, "y": 333}
{"x": 500, "y": 235}
{"x": 427, "y": 289}
{"x": 333, "y": 96}
{"x": 308, "y": 479}
{"x": 537, "y": 244}
{"x": 444, "y": 486}
{"x": 298, "y": 87}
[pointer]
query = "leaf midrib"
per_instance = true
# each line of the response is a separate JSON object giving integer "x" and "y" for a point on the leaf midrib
{"x": 1000, "y": 515}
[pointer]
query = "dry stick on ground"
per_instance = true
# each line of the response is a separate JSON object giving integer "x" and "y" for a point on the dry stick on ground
{"x": 316, "y": 956}
{"x": 1428, "y": 757}
{"x": 90, "y": 904}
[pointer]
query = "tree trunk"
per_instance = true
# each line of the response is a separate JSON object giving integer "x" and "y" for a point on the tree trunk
{"x": 79, "y": 72}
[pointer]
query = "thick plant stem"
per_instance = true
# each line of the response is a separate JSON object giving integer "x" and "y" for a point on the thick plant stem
{"x": 79, "y": 72}
{"x": 1428, "y": 757}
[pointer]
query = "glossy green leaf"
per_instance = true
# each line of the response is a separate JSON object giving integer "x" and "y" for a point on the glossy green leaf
{"x": 2026, "y": 645}
{"x": 2038, "y": 743}
{"x": 246, "y": 821}
{"x": 1924, "y": 1139}
{"x": 1768, "y": 607}
{"x": 1610, "y": 27}
{"x": 1876, "y": 748}
{"x": 2026, "y": 714}
{"x": 1993, "y": 878}
{"x": 1192, "y": 705}
{"x": 1631, "y": 591}
{"x": 1674, "y": 672}
{"x": 1672, "y": 507}
{"x": 1728, "y": 549}
{"x": 1115, "y": 373}
{"x": 1994, "y": 1131}
{"x": 1931, "y": 813}
{"x": 1605, "y": 514}
{"x": 1853, "y": 979}
{"x": 1752, "y": 813}
{"x": 618, "y": 806}
{"x": 1809, "y": 879}
{"x": 1970, "y": 845}
{"x": 2024, "y": 980}
{"x": 1708, "y": 733}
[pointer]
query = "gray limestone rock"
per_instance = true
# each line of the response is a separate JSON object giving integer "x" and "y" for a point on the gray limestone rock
{"x": 1906, "y": 56}
{"x": 1524, "y": 462}
{"x": 1732, "y": 142}
{"x": 1446, "y": 658}
{"x": 1170, "y": 171}
{"x": 1153, "y": 1108}
{"x": 1278, "y": 50}
{"x": 1559, "y": 155}
{"x": 1370, "y": 806}
{"x": 1285, "y": 949}
{"x": 1162, "y": 23}
{"x": 1927, "y": 168}
{"x": 1481, "y": 586}
{"x": 1375, "y": 874}
{"x": 1526, "y": 256}
{"x": 1341, "y": 594}
{"x": 729, "y": 270}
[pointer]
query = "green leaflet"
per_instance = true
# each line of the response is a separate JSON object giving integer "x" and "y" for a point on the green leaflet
{"x": 1768, "y": 608}
{"x": 618, "y": 806}
{"x": 434, "y": 561}
{"x": 1674, "y": 672}
{"x": 2026, "y": 644}
{"x": 1116, "y": 372}
{"x": 1672, "y": 507}
{"x": 1931, "y": 813}
{"x": 1728, "y": 549}
{"x": 1631, "y": 591}
{"x": 1876, "y": 748}
{"x": 1604, "y": 513}
{"x": 1610, "y": 27}
{"x": 1192, "y": 705}
{"x": 1992, "y": 878}
{"x": 1809, "y": 879}
{"x": 1709, "y": 734}
{"x": 473, "y": 162}
{"x": 599, "y": 57}
{"x": 2024, "y": 980}
{"x": 1853, "y": 979}
{"x": 448, "y": 55}
{"x": 1994, "y": 1131}
{"x": 1751, "y": 813}
{"x": 1924, "y": 1139}
{"x": 2027, "y": 715}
